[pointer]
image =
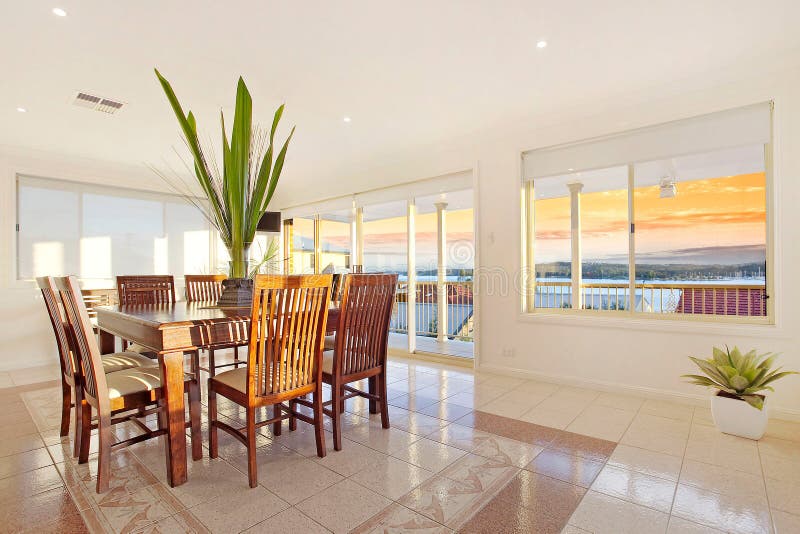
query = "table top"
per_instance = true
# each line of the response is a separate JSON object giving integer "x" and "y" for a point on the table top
{"x": 181, "y": 313}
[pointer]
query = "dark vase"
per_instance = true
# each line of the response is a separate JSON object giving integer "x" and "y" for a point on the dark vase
{"x": 236, "y": 293}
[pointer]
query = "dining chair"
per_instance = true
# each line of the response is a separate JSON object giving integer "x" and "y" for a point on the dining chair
{"x": 359, "y": 348}
{"x": 284, "y": 361}
{"x": 146, "y": 289}
{"x": 115, "y": 395}
{"x": 208, "y": 288}
{"x": 70, "y": 371}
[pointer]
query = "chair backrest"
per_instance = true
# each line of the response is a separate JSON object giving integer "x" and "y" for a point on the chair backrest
{"x": 337, "y": 286}
{"x": 287, "y": 331}
{"x": 52, "y": 302}
{"x": 146, "y": 289}
{"x": 85, "y": 347}
{"x": 363, "y": 330}
{"x": 203, "y": 287}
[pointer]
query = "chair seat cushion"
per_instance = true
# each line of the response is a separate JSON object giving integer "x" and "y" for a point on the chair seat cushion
{"x": 135, "y": 380}
{"x": 236, "y": 379}
{"x": 327, "y": 362}
{"x": 119, "y": 361}
{"x": 330, "y": 342}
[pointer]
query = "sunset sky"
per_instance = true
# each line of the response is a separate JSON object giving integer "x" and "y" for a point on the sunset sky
{"x": 705, "y": 214}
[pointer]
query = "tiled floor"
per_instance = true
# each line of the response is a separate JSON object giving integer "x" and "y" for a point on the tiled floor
{"x": 466, "y": 452}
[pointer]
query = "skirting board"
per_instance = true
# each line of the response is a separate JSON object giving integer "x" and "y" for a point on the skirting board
{"x": 695, "y": 399}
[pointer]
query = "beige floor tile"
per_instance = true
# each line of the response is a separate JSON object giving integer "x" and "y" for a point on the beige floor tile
{"x": 784, "y": 495}
{"x": 654, "y": 440}
{"x": 659, "y": 423}
{"x": 504, "y": 408}
{"x": 507, "y": 451}
{"x": 780, "y": 468}
{"x": 129, "y": 512}
{"x": 724, "y": 512}
{"x": 351, "y": 459}
{"x": 290, "y": 521}
{"x": 702, "y": 416}
{"x": 459, "y": 436}
{"x": 602, "y": 422}
{"x": 5, "y": 380}
{"x": 722, "y": 480}
{"x": 671, "y": 410}
{"x": 208, "y": 479}
{"x": 648, "y": 462}
{"x": 413, "y": 422}
{"x": 343, "y": 506}
{"x": 636, "y": 487}
{"x": 430, "y": 455}
{"x": 678, "y": 525}
{"x": 551, "y": 418}
{"x": 391, "y": 477}
{"x": 600, "y": 514}
{"x": 779, "y": 447}
{"x": 537, "y": 387}
{"x": 385, "y": 440}
{"x": 574, "y": 405}
{"x": 572, "y": 529}
{"x": 621, "y": 402}
{"x": 786, "y": 523}
{"x": 446, "y": 501}
{"x": 235, "y": 512}
{"x": 788, "y": 430}
{"x": 34, "y": 375}
{"x": 18, "y": 444}
{"x": 24, "y": 461}
{"x": 708, "y": 445}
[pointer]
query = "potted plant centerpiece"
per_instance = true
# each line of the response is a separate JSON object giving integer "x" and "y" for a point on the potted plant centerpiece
{"x": 738, "y": 407}
{"x": 239, "y": 192}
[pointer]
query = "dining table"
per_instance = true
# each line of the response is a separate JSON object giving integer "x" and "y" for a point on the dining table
{"x": 171, "y": 331}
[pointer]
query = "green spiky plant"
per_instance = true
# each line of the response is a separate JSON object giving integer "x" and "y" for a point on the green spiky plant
{"x": 737, "y": 374}
{"x": 239, "y": 195}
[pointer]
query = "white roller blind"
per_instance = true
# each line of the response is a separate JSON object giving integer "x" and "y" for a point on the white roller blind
{"x": 432, "y": 186}
{"x": 314, "y": 208}
{"x": 748, "y": 125}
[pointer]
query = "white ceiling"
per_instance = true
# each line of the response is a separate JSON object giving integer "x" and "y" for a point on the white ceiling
{"x": 410, "y": 74}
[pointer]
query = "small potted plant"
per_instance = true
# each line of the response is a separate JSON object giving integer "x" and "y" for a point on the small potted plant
{"x": 738, "y": 407}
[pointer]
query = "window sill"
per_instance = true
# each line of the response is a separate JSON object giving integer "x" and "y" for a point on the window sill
{"x": 699, "y": 326}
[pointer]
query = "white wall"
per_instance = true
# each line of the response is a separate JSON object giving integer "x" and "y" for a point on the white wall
{"x": 638, "y": 356}
{"x": 26, "y": 337}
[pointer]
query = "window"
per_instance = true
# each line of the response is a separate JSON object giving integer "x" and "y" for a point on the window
{"x": 334, "y": 238}
{"x": 680, "y": 233}
{"x": 99, "y": 232}
{"x": 300, "y": 233}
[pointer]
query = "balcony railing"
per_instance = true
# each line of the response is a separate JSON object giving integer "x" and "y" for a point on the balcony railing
{"x": 741, "y": 300}
{"x": 459, "y": 310}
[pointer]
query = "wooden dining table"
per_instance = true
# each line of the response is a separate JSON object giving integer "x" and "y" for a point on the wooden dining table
{"x": 171, "y": 331}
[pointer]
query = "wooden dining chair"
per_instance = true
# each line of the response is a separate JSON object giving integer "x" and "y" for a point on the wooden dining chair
{"x": 284, "y": 361}
{"x": 70, "y": 370}
{"x": 115, "y": 395}
{"x": 208, "y": 288}
{"x": 360, "y": 347}
{"x": 146, "y": 289}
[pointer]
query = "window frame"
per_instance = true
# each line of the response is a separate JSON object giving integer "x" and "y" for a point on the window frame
{"x": 631, "y": 315}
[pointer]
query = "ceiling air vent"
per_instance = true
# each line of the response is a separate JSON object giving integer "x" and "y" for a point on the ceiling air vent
{"x": 97, "y": 103}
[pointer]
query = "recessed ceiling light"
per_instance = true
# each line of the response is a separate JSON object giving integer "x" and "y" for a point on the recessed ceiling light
{"x": 347, "y": 119}
{"x": 541, "y": 44}
{"x": 22, "y": 110}
{"x": 57, "y": 11}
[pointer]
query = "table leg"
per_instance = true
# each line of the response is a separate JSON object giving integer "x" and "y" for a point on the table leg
{"x": 107, "y": 344}
{"x": 171, "y": 365}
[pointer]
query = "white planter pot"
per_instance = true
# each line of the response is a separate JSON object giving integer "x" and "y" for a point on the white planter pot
{"x": 734, "y": 416}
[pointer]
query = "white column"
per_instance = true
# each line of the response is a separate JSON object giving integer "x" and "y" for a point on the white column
{"x": 411, "y": 292}
{"x": 360, "y": 237}
{"x": 575, "y": 227}
{"x": 441, "y": 271}
{"x": 354, "y": 244}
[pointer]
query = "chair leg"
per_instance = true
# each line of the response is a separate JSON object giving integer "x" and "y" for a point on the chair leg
{"x": 276, "y": 426}
{"x": 341, "y": 397}
{"x": 124, "y": 343}
{"x": 194, "y": 420}
{"x": 212, "y": 419}
{"x": 66, "y": 407}
{"x": 319, "y": 431}
{"x": 252, "y": 468}
{"x": 211, "y": 364}
{"x": 292, "y": 418}
{"x": 104, "y": 457}
{"x": 372, "y": 384}
{"x": 86, "y": 432}
{"x": 78, "y": 421}
{"x": 384, "y": 404}
{"x": 336, "y": 415}
{"x": 236, "y": 356}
